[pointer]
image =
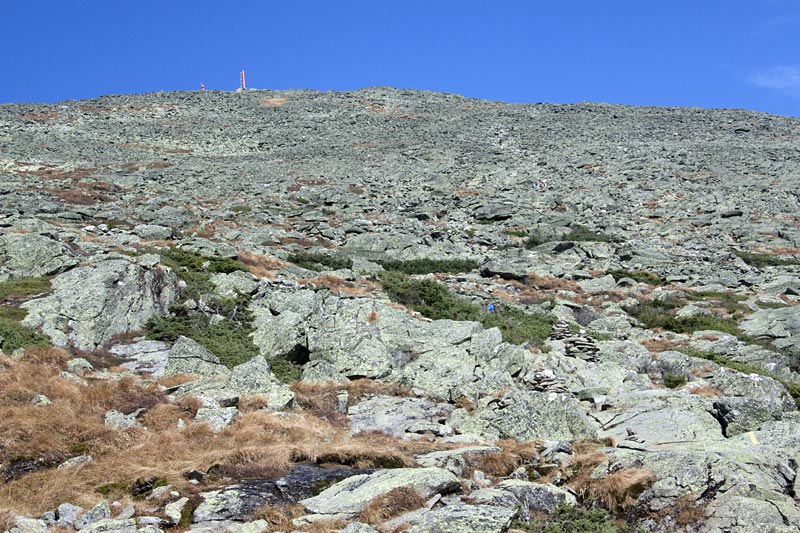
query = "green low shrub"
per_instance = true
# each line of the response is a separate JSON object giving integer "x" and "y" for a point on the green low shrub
{"x": 14, "y": 335}
{"x": 673, "y": 381}
{"x": 575, "y": 519}
{"x": 435, "y": 301}
{"x": 763, "y": 260}
{"x": 317, "y": 262}
{"x": 640, "y": 275}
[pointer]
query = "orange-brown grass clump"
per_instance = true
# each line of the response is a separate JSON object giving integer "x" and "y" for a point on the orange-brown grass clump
{"x": 279, "y": 518}
{"x": 260, "y": 265}
{"x": 513, "y": 454}
{"x": 662, "y": 345}
{"x": 617, "y": 492}
{"x": 393, "y": 503}
{"x": 709, "y": 391}
{"x": 321, "y": 398}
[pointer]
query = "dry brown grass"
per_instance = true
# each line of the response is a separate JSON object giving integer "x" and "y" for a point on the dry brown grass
{"x": 259, "y": 265}
{"x": 393, "y": 503}
{"x": 513, "y": 454}
{"x": 273, "y": 102}
{"x": 618, "y": 492}
{"x": 279, "y": 518}
{"x": 551, "y": 283}
{"x": 662, "y": 345}
{"x": 176, "y": 380}
{"x": 708, "y": 391}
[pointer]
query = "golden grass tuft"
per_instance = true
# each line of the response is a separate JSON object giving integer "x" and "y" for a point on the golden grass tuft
{"x": 618, "y": 492}
{"x": 393, "y": 503}
{"x": 709, "y": 391}
{"x": 513, "y": 454}
{"x": 279, "y": 518}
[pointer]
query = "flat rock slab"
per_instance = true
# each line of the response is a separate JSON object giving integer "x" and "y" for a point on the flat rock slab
{"x": 353, "y": 494}
{"x": 394, "y": 415}
{"x": 466, "y": 519}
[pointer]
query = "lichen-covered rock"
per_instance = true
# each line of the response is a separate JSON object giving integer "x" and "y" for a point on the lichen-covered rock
{"x": 256, "y": 377}
{"x": 29, "y": 525}
{"x": 739, "y": 415}
{"x": 144, "y": 356}
{"x": 353, "y": 494}
{"x": 109, "y": 525}
{"x": 219, "y": 505}
{"x": 28, "y": 255}
{"x": 533, "y": 498}
{"x": 236, "y": 282}
{"x": 455, "y": 461}
{"x": 115, "y": 419}
{"x": 173, "y": 510}
{"x": 394, "y": 415}
{"x": 101, "y": 511}
{"x": 217, "y": 417}
{"x": 189, "y": 357}
{"x": 660, "y": 418}
{"x": 523, "y": 415}
{"x": 90, "y": 304}
{"x": 465, "y": 519}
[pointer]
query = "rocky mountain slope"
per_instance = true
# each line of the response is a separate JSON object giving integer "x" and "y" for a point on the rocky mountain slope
{"x": 397, "y": 310}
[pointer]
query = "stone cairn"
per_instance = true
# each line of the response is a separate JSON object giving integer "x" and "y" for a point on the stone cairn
{"x": 544, "y": 380}
{"x": 581, "y": 345}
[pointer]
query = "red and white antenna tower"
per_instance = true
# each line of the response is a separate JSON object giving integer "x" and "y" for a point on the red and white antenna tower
{"x": 241, "y": 76}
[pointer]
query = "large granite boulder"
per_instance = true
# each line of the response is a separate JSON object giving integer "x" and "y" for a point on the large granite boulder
{"x": 465, "y": 519}
{"x": 397, "y": 416}
{"x": 187, "y": 356}
{"x": 29, "y": 255}
{"x": 92, "y": 303}
{"x": 524, "y": 415}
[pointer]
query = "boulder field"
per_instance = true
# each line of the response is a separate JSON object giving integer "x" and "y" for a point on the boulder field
{"x": 395, "y": 310}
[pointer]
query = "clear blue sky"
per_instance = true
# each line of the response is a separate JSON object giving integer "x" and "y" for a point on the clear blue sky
{"x": 705, "y": 53}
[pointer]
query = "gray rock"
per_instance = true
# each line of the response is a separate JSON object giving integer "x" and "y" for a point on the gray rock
{"x": 67, "y": 514}
{"x": 40, "y": 400}
{"x": 740, "y": 415}
{"x": 394, "y": 415}
{"x": 108, "y": 525}
{"x": 255, "y": 377}
{"x": 217, "y": 417}
{"x": 101, "y": 511}
{"x": 322, "y": 372}
{"x": 145, "y": 356}
{"x": 455, "y": 461}
{"x": 527, "y": 416}
{"x": 353, "y": 494}
{"x": 173, "y": 510}
{"x": 237, "y": 282}
{"x": 358, "y": 527}
{"x": 153, "y": 232}
{"x": 26, "y": 255}
{"x": 91, "y": 304}
{"x": 218, "y": 505}
{"x": 29, "y": 525}
{"x": 189, "y": 357}
{"x": 118, "y": 420}
{"x": 536, "y": 498}
{"x": 465, "y": 519}
{"x": 660, "y": 418}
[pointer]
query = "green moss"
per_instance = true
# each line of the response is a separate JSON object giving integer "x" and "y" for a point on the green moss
{"x": 318, "y": 262}
{"x": 641, "y": 276}
{"x": 430, "y": 266}
{"x": 516, "y": 233}
{"x": 241, "y": 209}
{"x": 25, "y": 287}
{"x": 116, "y": 487}
{"x": 763, "y": 260}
